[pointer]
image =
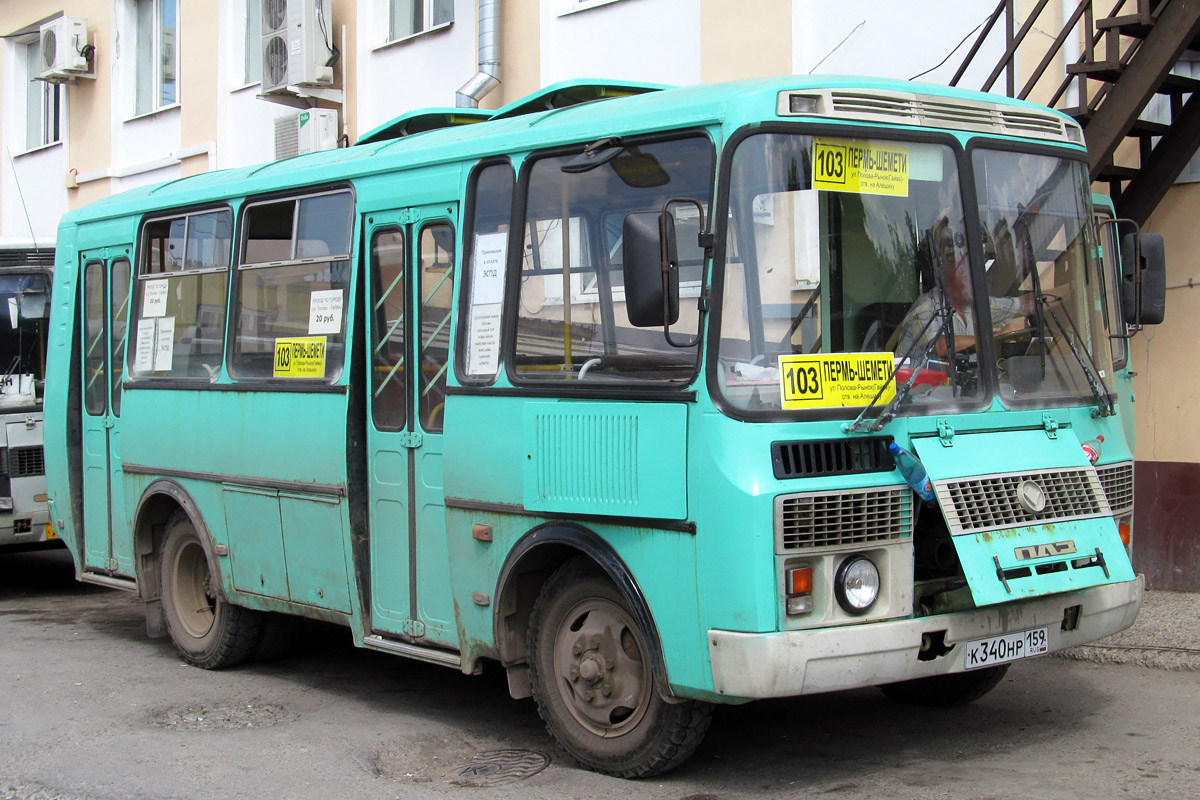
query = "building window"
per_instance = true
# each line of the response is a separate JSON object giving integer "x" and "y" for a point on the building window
{"x": 43, "y": 102}
{"x": 253, "y": 51}
{"x": 157, "y": 53}
{"x": 409, "y": 17}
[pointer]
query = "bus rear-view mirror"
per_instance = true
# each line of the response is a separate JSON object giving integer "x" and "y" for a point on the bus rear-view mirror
{"x": 1143, "y": 278}
{"x": 651, "y": 269}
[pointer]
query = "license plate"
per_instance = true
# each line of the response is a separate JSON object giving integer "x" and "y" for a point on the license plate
{"x": 1009, "y": 647}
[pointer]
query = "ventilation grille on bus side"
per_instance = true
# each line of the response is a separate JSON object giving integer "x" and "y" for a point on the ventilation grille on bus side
{"x": 990, "y": 502}
{"x": 948, "y": 113}
{"x": 1117, "y": 480}
{"x": 851, "y": 517}
{"x": 831, "y": 457}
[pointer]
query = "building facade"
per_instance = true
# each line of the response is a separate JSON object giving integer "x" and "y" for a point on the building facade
{"x": 176, "y": 87}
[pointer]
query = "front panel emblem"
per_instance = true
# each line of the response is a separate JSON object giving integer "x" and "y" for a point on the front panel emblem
{"x": 1031, "y": 496}
{"x": 1045, "y": 550}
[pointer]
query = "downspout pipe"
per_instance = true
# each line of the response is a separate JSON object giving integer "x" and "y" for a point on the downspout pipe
{"x": 487, "y": 78}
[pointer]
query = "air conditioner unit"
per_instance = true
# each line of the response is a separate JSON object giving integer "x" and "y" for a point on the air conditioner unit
{"x": 297, "y": 44}
{"x": 306, "y": 132}
{"x": 63, "y": 47}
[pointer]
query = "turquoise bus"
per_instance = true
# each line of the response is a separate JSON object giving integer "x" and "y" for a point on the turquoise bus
{"x": 657, "y": 398}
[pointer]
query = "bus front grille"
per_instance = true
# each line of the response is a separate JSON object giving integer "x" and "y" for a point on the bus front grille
{"x": 992, "y": 502}
{"x": 831, "y": 457}
{"x": 850, "y": 517}
{"x": 24, "y": 462}
{"x": 1117, "y": 480}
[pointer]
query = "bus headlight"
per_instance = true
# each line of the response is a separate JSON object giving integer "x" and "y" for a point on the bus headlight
{"x": 856, "y": 585}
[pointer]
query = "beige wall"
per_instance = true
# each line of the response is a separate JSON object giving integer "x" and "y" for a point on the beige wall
{"x": 736, "y": 45}
{"x": 1164, "y": 356}
{"x": 520, "y": 64}
{"x": 198, "y": 84}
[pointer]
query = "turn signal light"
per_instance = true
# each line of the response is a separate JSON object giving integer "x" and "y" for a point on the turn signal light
{"x": 800, "y": 580}
{"x": 1126, "y": 531}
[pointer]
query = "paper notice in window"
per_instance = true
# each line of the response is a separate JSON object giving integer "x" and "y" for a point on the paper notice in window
{"x": 325, "y": 312}
{"x": 143, "y": 350}
{"x": 154, "y": 298}
{"x": 164, "y": 344}
{"x": 487, "y": 285}
{"x": 487, "y": 298}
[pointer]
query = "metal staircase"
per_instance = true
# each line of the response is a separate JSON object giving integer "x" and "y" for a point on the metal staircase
{"x": 1139, "y": 43}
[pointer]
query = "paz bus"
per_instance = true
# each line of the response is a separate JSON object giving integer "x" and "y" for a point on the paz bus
{"x": 603, "y": 388}
{"x": 25, "y": 279}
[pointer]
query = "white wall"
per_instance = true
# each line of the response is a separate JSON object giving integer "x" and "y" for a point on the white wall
{"x": 34, "y": 189}
{"x": 889, "y": 39}
{"x": 423, "y": 71}
{"x": 656, "y": 41}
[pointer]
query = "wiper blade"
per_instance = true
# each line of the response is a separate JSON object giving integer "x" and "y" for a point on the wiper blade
{"x": 1100, "y": 392}
{"x": 944, "y": 316}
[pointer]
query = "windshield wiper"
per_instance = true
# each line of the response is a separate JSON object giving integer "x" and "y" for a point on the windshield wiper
{"x": 1100, "y": 392}
{"x": 944, "y": 316}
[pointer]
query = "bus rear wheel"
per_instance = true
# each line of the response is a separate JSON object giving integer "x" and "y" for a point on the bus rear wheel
{"x": 594, "y": 682}
{"x": 946, "y": 691}
{"x": 207, "y": 630}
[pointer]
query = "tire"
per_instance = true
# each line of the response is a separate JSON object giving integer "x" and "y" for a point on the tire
{"x": 947, "y": 691}
{"x": 208, "y": 631}
{"x": 594, "y": 681}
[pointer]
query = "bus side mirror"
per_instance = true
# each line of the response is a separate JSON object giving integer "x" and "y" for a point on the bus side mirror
{"x": 1143, "y": 278}
{"x": 649, "y": 253}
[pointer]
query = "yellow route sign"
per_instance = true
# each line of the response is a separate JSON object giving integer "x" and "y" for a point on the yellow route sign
{"x": 835, "y": 380}
{"x": 860, "y": 166}
{"x": 300, "y": 357}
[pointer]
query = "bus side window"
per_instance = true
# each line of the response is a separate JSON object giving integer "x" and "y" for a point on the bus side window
{"x": 180, "y": 295}
{"x": 291, "y": 286}
{"x": 489, "y": 213}
{"x": 95, "y": 390}
{"x": 389, "y": 407}
{"x": 436, "y": 299}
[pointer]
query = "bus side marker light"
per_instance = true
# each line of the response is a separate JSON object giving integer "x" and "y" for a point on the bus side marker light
{"x": 481, "y": 533}
{"x": 1126, "y": 531}
{"x": 480, "y": 599}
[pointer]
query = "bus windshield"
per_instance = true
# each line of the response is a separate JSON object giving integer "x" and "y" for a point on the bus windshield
{"x": 860, "y": 246}
{"x": 25, "y": 302}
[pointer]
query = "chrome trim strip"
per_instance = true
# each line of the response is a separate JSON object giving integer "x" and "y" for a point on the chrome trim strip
{"x": 428, "y": 654}
{"x": 124, "y": 584}
{"x": 336, "y": 490}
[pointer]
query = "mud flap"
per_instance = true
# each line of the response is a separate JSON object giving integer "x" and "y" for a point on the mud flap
{"x": 1042, "y": 553}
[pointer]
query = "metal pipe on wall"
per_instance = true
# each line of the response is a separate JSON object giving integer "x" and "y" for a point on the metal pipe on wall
{"x": 487, "y": 78}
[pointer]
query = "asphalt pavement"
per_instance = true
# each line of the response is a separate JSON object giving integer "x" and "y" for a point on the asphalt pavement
{"x": 1166, "y": 635}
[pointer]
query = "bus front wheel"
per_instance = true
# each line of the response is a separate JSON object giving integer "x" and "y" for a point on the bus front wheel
{"x": 207, "y": 630}
{"x": 593, "y": 680}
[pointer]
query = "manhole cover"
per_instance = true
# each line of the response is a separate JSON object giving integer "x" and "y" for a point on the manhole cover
{"x": 220, "y": 716}
{"x": 498, "y": 767}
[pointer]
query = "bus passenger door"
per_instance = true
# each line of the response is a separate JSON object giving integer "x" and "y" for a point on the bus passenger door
{"x": 108, "y": 544}
{"x": 411, "y": 273}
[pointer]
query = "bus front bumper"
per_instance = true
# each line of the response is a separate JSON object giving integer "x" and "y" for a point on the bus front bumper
{"x": 788, "y": 663}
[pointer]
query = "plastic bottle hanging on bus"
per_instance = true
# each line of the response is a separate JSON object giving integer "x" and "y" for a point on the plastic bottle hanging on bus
{"x": 913, "y": 471}
{"x": 1092, "y": 447}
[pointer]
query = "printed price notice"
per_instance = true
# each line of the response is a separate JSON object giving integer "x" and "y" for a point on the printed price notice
{"x": 859, "y": 166}
{"x": 835, "y": 380}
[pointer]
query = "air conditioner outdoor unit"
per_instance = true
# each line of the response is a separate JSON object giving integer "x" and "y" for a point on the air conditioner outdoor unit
{"x": 297, "y": 44}
{"x": 63, "y": 47}
{"x": 306, "y": 132}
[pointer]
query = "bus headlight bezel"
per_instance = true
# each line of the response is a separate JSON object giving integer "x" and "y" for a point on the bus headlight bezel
{"x": 855, "y": 575}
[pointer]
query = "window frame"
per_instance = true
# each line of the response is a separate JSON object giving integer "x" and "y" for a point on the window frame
{"x": 141, "y": 277}
{"x": 241, "y": 236}
{"x": 387, "y": 12}
{"x": 28, "y": 56}
{"x": 153, "y": 60}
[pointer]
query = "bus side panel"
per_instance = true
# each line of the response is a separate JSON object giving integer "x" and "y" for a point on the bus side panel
{"x": 484, "y": 443}
{"x": 286, "y": 541}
